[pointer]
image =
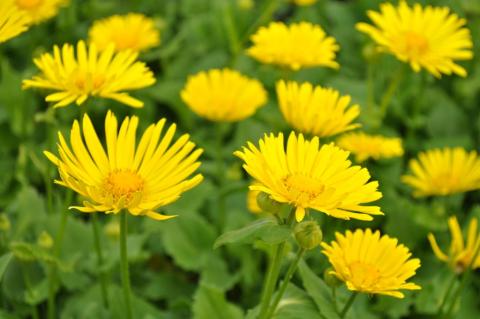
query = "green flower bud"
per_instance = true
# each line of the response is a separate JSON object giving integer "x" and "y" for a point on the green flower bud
{"x": 267, "y": 204}
{"x": 370, "y": 52}
{"x": 45, "y": 240}
{"x": 330, "y": 279}
{"x": 308, "y": 234}
{"x": 112, "y": 229}
{"x": 4, "y": 223}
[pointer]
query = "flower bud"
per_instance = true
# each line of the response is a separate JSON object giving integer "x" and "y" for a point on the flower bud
{"x": 112, "y": 229}
{"x": 4, "y": 223}
{"x": 267, "y": 204}
{"x": 370, "y": 52}
{"x": 45, "y": 240}
{"x": 330, "y": 279}
{"x": 308, "y": 234}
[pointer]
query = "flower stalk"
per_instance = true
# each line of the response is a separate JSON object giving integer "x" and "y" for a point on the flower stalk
{"x": 100, "y": 260}
{"x": 348, "y": 305}
{"x": 124, "y": 264}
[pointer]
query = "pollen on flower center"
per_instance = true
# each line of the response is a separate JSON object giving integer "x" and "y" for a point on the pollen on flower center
{"x": 363, "y": 275}
{"x": 29, "y": 4}
{"x": 123, "y": 184}
{"x": 415, "y": 44}
{"x": 87, "y": 83}
{"x": 302, "y": 188}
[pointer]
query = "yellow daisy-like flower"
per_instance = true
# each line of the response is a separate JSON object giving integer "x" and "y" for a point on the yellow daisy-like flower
{"x": 12, "y": 21}
{"x": 296, "y": 46}
{"x": 89, "y": 73}
{"x": 425, "y": 37}
{"x": 366, "y": 146}
{"x": 40, "y": 10}
{"x": 316, "y": 110}
{"x": 304, "y": 2}
{"x": 133, "y": 31}
{"x": 371, "y": 264}
{"x": 139, "y": 179}
{"x": 460, "y": 255}
{"x": 444, "y": 171}
{"x": 306, "y": 175}
{"x": 223, "y": 95}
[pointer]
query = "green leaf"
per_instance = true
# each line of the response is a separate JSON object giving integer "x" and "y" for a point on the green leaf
{"x": 210, "y": 303}
{"x": 215, "y": 274}
{"x": 4, "y": 261}
{"x": 296, "y": 303}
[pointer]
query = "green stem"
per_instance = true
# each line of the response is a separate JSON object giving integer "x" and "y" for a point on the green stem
{"x": 286, "y": 280}
{"x": 220, "y": 175}
{"x": 124, "y": 264}
{"x": 447, "y": 294}
{"x": 232, "y": 33}
{"x": 348, "y": 304}
{"x": 100, "y": 262}
{"x": 28, "y": 285}
{"x": 334, "y": 297}
{"x": 389, "y": 92}
{"x": 370, "y": 86}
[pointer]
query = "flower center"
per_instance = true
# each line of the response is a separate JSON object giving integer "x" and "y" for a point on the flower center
{"x": 29, "y": 4}
{"x": 363, "y": 275}
{"x": 415, "y": 44}
{"x": 301, "y": 188}
{"x": 87, "y": 82}
{"x": 122, "y": 186}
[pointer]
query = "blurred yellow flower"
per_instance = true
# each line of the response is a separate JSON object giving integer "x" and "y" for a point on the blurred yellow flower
{"x": 245, "y": 4}
{"x": 443, "y": 172}
{"x": 371, "y": 264}
{"x": 366, "y": 146}
{"x": 252, "y": 204}
{"x": 40, "y": 10}
{"x": 460, "y": 255}
{"x": 296, "y": 46}
{"x": 12, "y": 21}
{"x": 304, "y": 2}
{"x": 89, "y": 73}
{"x": 133, "y": 31}
{"x": 223, "y": 95}
{"x": 425, "y": 37}
{"x": 139, "y": 179}
{"x": 306, "y": 175}
{"x": 316, "y": 110}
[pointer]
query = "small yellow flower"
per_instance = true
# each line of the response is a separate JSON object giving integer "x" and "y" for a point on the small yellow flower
{"x": 459, "y": 256}
{"x": 252, "y": 204}
{"x": 223, "y": 95}
{"x": 371, "y": 264}
{"x": 139, "y": 178}
{"x": 306, "y": 175}
{"x": 40, "y": 10}
{"x": 425, "y": 37}
{"x": 296, "y": 46}
{"x": 12, "y": 21}
{"x": 443, "y": 172}
{"x": 89, "y": 73}
{"x": 304, "y": 2}
{"x": 366, "y": 146}
{"x": 133, "y": 31}
{"x": 316, "y": 110}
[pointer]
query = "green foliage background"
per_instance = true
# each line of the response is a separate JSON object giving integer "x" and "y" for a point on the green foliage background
{"x": 175, "y": 271}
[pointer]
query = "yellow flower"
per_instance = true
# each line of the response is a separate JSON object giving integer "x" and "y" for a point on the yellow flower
{"x": 459, "y": 256}
{"x": 304, "y": 2}
{"x": 430, "y": 37}
{"x": 316, "y": 110}
{"x": 89, "y": 73}
{"x": 12, "y": 21}
{"x": 133, "y": 31}
{"x": 366, "y": 146}
{"x": 443, "y": 172}
{"x": 306, "y": 175}
{"x": 296, "y": 46}
{"x": 139, "y": 178}
{"x": 252, "y": 204}
{"x": 223, "y": 95}
{"x": 40, "y": 10}
{"x": 371, "y": 264}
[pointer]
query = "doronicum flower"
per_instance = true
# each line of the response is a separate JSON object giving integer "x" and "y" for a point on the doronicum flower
{"x": 424, "y": 37}
{"x": 444, "y": 172}
{"x": 133, "y": 31}
{"x": 75, "y": 77}
{"x": 366, "y": 146}
{"x": 304, "y": 2}
{"x": 40, "y": 10}
{"x": 138, "y": 178}
{"x": 459, "y": 256}
{"x": 316, "y": 110}
{"x": 12, "y": 21}
{"x": 296, "y": 46}
{"x": 223, "y": 95}
{"x": 371, "y": 264}
{"x": 306, "y": 175}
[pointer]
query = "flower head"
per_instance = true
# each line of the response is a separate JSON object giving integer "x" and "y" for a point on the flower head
{"x": 371, "y": 264}
{"x": 443, "y": 172}
{"x": 139, "y": 179}
{"x": 40, "y": 10}
{"x": 460, "y": 255}
{"x": 425, "y": 37}
{"x": 306, "y": 175}
{"x": 366, "y": 146}
{"x": 133, "y": 31}
{"x": 223, "y": 95}
{"x": 12, "y": 21}
{"x": 296, "y": 46}
{"x": 316, "y": 110}
{"x": 75, "y": 77}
